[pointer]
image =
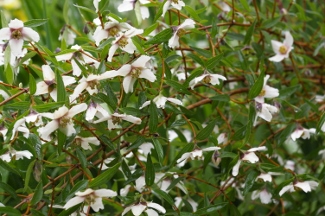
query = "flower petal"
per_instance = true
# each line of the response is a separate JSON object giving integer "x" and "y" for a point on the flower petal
{"x": 74, "y": 201}
{"x": 128, "y": 83}
{"x": 157, "y": 207}
{"x": 77, "y": 109}
{"x": 141, "y": 61}
{"x": 30, "y": 35}
{"x": 112, "y": 51}
{"x": 105, "y": 193}
{"x": 147, "y": 74}
{"x": 235, "y": 169}
{"x": 16, "y": 46}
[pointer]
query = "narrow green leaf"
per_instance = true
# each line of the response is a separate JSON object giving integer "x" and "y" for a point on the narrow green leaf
{"x": 104, "y": 6}
{"x": 159, "y": 149}
{"x": 153, "y": 118}
{"x": 223, "y": 98}
{"x": 22, "y": 105}
{"x": 213, "y": 62}
{"x": 60, "y": 87}
{"x": 244, "y": 3}
{"x": 240, "y": 133}
{"x": 251, "y": 119}
{"x": 107, "y": 141}
{"x": 61, "y": 140}
{"x": 80, "y": 186}
{"x": 161, "y": 37}
{"x": 112, "y": 97}
{"x": 32, "y": 84}
{"x": 162, "y": 194}
{"x": 89, "y": 10}
{"x": 249, "y": 33}
{"x": 151, "y": 28}
{"x": 196, "y": 58}
{"x": 10, "y": 76}
{"x": 320, "y": 123}
{"x": 257, "y": 87}
{"x": 4, "y": 22}
{"x": 26, "y": 57}
{"x": 48, "y": 106}
{"x": 10, "y": 211}
{"x": 192, "y": 12}
{"x": 211, "y": 208}
{"x": 38, "y": 194}
{"x": 250, "y": 180}
{"x": 159, "y": 11}
{"x": 286, "y": 92}
{"x": 105, "y": 176}
{"x": 28, "y": 174}
{"x": 269, "y": 23}
{"x": 168, "y": 73}
{"x": 82, "y": 158}
{"x": 206, "y": 132}
{"x": 36, "y": 213}
{"x": 9, "y": 190}
{"x": 150, "y": 172}
{"x": 35, "y": 22}
{"x": 9, "y": 168}
{"x": 177, "y": 86}
{"x": 203, "y": 52}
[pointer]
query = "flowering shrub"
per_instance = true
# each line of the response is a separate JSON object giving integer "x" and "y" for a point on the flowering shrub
{"x": 162, "y": 107}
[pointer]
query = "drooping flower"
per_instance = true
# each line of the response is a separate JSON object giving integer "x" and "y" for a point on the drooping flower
{"x": 3, "y": 131}
{"x": 282, "y": 50}
{"x": 124, "y": 42}
{"x": 67, "y": 35}
{"x": 85, "y": 141}
{"x": 264, "y": 111}
{"x": 95, "y": 110}
{"x": 180, "y": 203}
{"x": 147, "y": 207}
{"x": 129, "y": 5}
{"x": 160, "y": 102}
{"x": 179, "y": 31}
{"x": 264, "y": 196}
{"x": 267, "y": 91}
{"x": 302, "y": 132}
{"x": 213, "y": 79}
{"x": 115, "y": 119}
{"x": 20, "y": 126}
{"x": 90, "y": 197}
{"x": 266, "y": 177}
{"x": 247, "y": 156}
{"x": 12, "y": 153}
{"x": 61, "y": 119}
{"x": 16, "y": 33}
{"x": 306, "y": 186}
{"x": 177, "y": 4}
{"x": 131, "y": 72}
{"x": 224, "y": 6}
{"x": 196, "y": 154}
{"x": 49, "y": 83}
{"x": 79, "y": 55}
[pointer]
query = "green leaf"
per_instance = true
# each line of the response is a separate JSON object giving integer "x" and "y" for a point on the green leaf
{"x": 61, "y": 140}
{"x": 213, "y": 62}
{"x": 250, "y": 180}
{"x": 35, "y": 22}
{"x": 48, "y": 106}
{"x": 10, "y": 211}
{"x": 159, "y": 11}
{"x": 269, "y": 23}
{"x": 6, "y": 166}
{"x": 82, "y": 158}
{"x": 320, "y": 123}
{"x": 10, "y": 76}
{"x": 153, "y": 118}
{"x": 240, "y": 133}
{"x": 32, "y": 84}
{"x": 251, "y": 119}
{"x": 28, "y": 174}
{"x": 177, "y": 86}
{"x": 85, "y": 9}
{"x": 107, "y": 141}
{"x": 26, "y": 57}
{"x": 22, "y": 105}
{"x": 150, "y": 29}
{"x": 80, "y": 186}
{"x": 161, "y": 37}
{"x": 105, "y": 176}
{"x": 206, "y": 132}
{"x": 4, "y": 22}
{"x": 257, "y": 87}
{"x": 150, "y": 172}
{"x": 104, "y": 6}
{"x": 203, "y": 52}
{"x": 223, "y": 98}
{"x": 60, "y": 87}
{"x": 245, "y": 4}
{"x": 38, "y": 194}
{"x": 7, "y": 188}
{"x": 193, "y": 13}
{"x": 159, "y": 150}
{"x": 289, "y": 91}
{"x": 196, "y": 58}
{"x": 36, "y": 213}
{"x": 249, "y": 33}
{"x": 162, "y": 194}
{"x": 211, "y": 208}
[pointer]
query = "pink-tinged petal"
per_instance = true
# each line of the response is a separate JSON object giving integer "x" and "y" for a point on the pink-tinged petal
{"x": 148, "y": 102}
{"x": 45, "y": 132}
{"x": 126, "y": 6}
{"x": 128, "y": 84}
{"x": 22, "y": 154}
{"x": 235, "y": 169}
{"x": 105, "y": 193}
{"x": 265, "y": 197}
{"x": 141, "y": 61}
{"x": 5, "y": 34}
{"x": 16, "y": 24}
{"x": 178, "y": 5}
{"x": 16, "y": 46}
{"x": 288, "y": 41}
{"x": 151, "y": 212}
{"x": 77, "y": 109}
{"x": 173, "y": 42}
{"x": 74, "y": 201}
{"x": 41, "y": 88}
{"x": 30, "y": 35}
{"x": 100, "y": 34}
{"x": 64, "y": 57}
{"x": 276, "y": 46}
{"x": 138, "y": 209}
{"x": 165, "y": 7}
{"x": 48, "y": 74}
{"x": 68, "y": 80}
{"x": 76, "y": 71}
{"x": 157, "y": 207}
{"x": 97, "y": 204}
{"x": 277, "y": 58}
{"x": 112, "y": 51}
{"x": 251, "y": 157}
{"x": 187, "y": 24}
{"x": 147, "y": 74}
{"x": 286, "y": 188}
{"x": 132, "y": 119}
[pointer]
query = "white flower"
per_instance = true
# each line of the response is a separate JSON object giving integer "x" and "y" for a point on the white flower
{"x": 17, "y": 154}
{"x": 131, "y": 72}
{"x": 61, "y": 118}
{"x": 265, "y": 111}
{"x": 145, "y": 148}
{"x": 124, "y": 42}
{"x": 302, "y": 132}
{"x": 85, "y": 141}
{"x": 282, "y": 50}
{"x": 196, "y": 154}
{"x": 111, "y": 29}
{"x": 48, "y": 85}
{"x": 95, "y": 109}
{"x": 20, "y": 126}
{"x": 95, "y": 3}
{"x": 16, "y": 33}
{"x": 67, "y": 35}
{"x": 247, "y": 156}
{"x": 264, "y": 196}
{"x": 160, "y": 101}
{"x": 91, "y": 197}
{"x": 267, "y": 91}
{"x": 115, "y": 119}
{"x": 224, "y": 7}
{"x": 207, "y": 78}
{"x": 79, "y": 55}
{"x": 147, "y": 207}
{"x": 179, "y": 203}
{"x": 3, "y": 131}
{"x": 124, "y": 191}
{"x": 306, "y": 186}
{"x": 180, "y": 31}
{"x": 265, "y": 176}
{"x": 222, "y": 138}
{"x": 129, "y": 5}
{"x": 177, "y": 4}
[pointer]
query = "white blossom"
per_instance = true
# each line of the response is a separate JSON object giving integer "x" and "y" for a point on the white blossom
{"x": 196, "y": 154}
{"x": 148, "y": 207}
{"x": 266, "y": 177}
{"x": 16, "y": 33}
{"x": 95, "y": 110}
{"x": 96, "y": 3}
{"x": 302, "y": 132}
{"x": 3, "y": 131}
{"x": 306, "y": 186}
{"x": 12, "y": 153}
{"x": 179, "y": 203}
{"x": 179, "y": 31}
{"x": 282, "y": 50}
{"x": 115, "y": 119}
{"x": 160, "y": 101}
{"x": 213, "y": 79}
{"x": 67, "y": 35}
{"x": 90, "y": 197}
{"x": 177, "y": 4}
{"x": 267, "y": 91}
{"x": 264, "y": 196}
{"x": 129, "y": 5}
{"x": 265, "y": 111}
{"x": 85, "y": 141}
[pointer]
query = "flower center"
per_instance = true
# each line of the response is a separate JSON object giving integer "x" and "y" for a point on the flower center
{"x": 113, "y": 31}
{"x": 16, "y": 34}
{"x": 123, "y": 42}
{"x": 262, "y": 92}
{"x": 135, "y": 72}
{"x": 258, "y": 106}
{"x": 92, "y": 84}
{"x": 90, "y": 199}
{"x": 207, "y": 79}
{"x": 283, "y": 50}
{"x": 181, "y": 32}
{"x": 64, "y": 121}
{"x": 175, "y": 1}
{"x": 116, "y": 120}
